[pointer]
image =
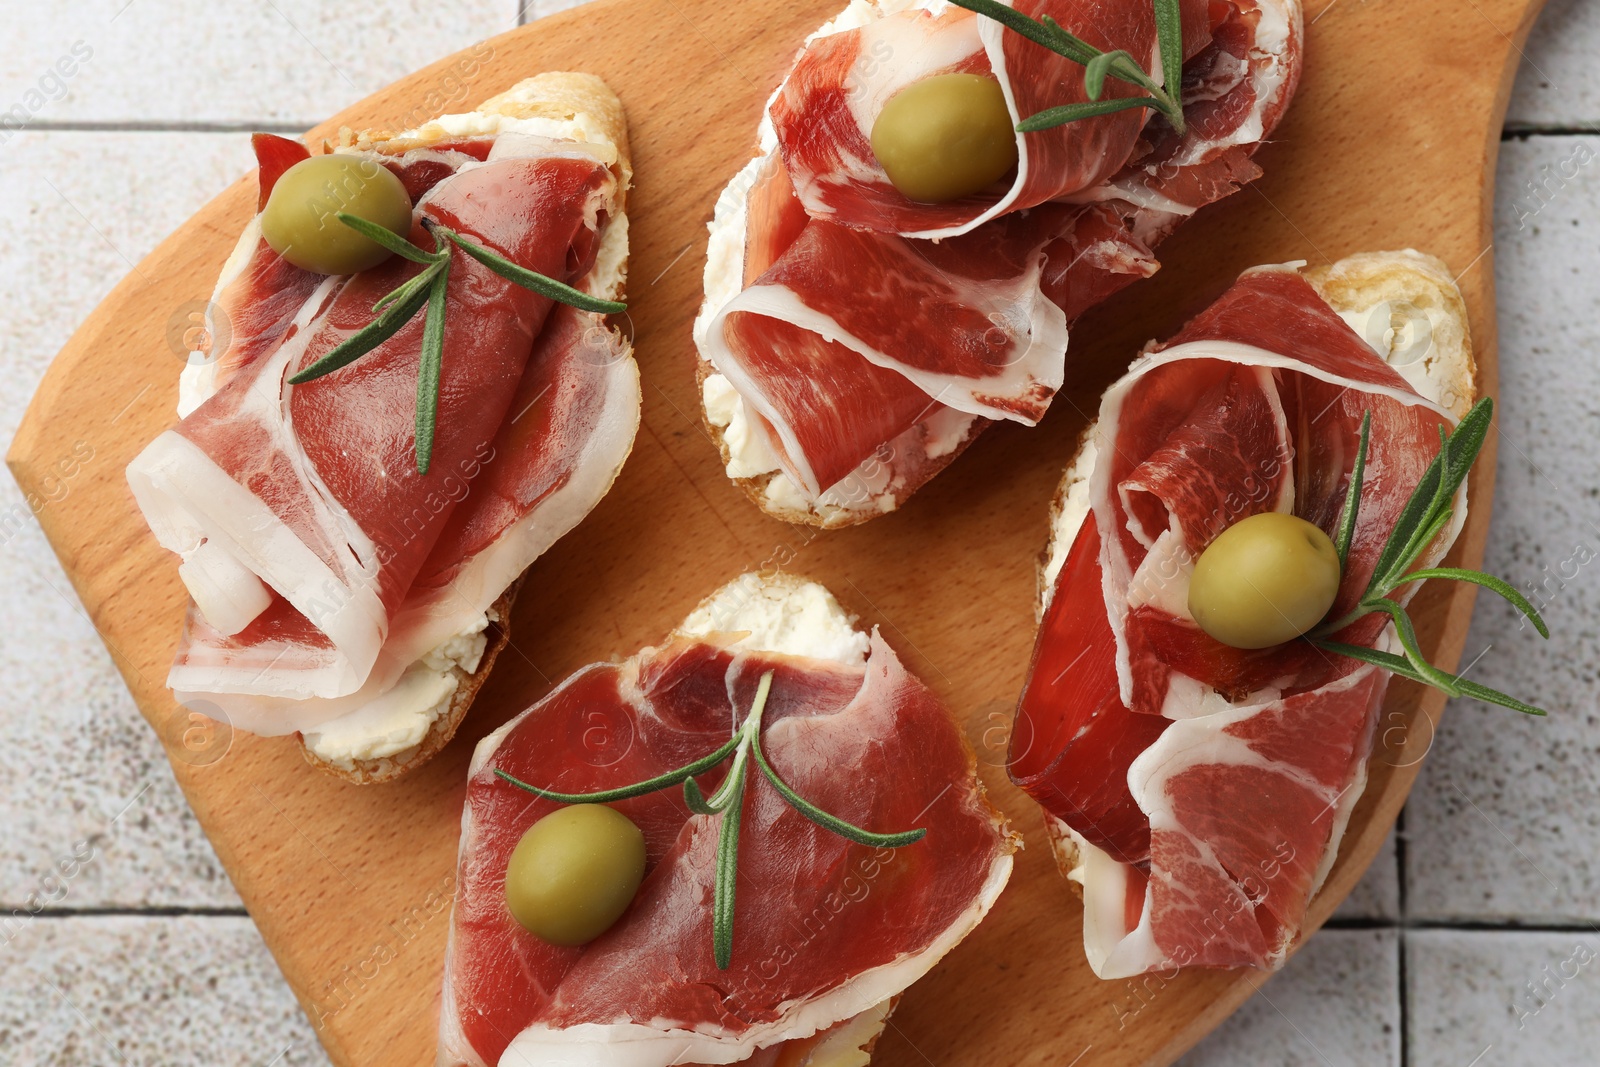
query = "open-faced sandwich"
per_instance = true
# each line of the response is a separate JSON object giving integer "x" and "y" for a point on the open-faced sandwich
{"x": 1223, "y": 602}
{"x": 939, "y": 191}
{"x": 411, "y": 393}
{"x": 739, "y": 847}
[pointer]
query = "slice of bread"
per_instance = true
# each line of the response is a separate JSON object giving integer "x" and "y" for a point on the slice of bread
{"x": 775, "y": 493}
{"x": 1406, "y": 305}
{"x": 790, "y": 614}
{"x": 570, "y": 105}
{"x": 387, "y": 768}
{"x": 879, "y": 485}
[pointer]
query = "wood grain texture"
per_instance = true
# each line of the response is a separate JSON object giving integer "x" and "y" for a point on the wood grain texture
{"x": 1390, "y": 143}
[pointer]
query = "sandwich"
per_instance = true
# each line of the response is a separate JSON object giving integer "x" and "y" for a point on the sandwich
{"x": 412, "y": 391}
{"x": 937, "y": 195}
{"x": 1223, "y": 602}
{"x": 740, "y": 846}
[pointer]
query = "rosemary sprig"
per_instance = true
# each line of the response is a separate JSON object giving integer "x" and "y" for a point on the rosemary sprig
{"x": 1352, "y": 499}
{"x": 1403, "y": 667}
{"x": 1425, "y": 516}
{"x": 1165, "y": 96}
{"x": 728, "y": 802}
{"x": 428, "y": 290}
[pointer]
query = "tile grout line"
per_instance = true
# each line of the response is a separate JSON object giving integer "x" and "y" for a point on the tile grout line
{"x": 164, "y": 126}
{"x": 114, "y": 912}
{"x": 1465, "y": 926}
{"x": 1402, "y": 946}
{"x": 1522, "y": 131}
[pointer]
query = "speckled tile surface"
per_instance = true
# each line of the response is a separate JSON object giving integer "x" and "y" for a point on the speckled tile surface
{"x": 73, "y": 750}
{"x": 291, "y": 62}
{"x": 1505, "y": 819}
{"x": 1335, "y": 1005}
{"x": 1503, "y": 826}
{"x": 167, "y": 992}
{"x": 1556, "y": 86}
{"x": 1377, "y": 896}
{"x": 1489, "y": 999}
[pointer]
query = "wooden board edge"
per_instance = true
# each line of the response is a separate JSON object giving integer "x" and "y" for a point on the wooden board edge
{"x": 1352, "y": 867}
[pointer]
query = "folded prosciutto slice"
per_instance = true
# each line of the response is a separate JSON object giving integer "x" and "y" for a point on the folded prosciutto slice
{"x": 827, "y": 933}
{"x": 337, "y": 591}
{"x": 854, "y": 341}
{"x": 1199, "y": 792}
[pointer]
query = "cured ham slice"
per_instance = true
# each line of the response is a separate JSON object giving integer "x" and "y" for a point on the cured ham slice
{"x": 569, "y": 427}
{"x": 320, "y": 516}
{"x": 260, "y": 293}
{"x": 986, "y": 340}
{"x": 1235, "y": 91}
{"x": 257, "y": 297}
{"x": 824, "y": 113}
{"x": 826, "y": 932}
{"x": 857, "y": 341}
{"x": 1201, "y": 791}
{"x": 359, "y": 584}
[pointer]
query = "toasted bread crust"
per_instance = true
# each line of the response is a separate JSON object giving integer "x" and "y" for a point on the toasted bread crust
{"x": 1354, "y": 284}
{"x": 563, "y": 96}
{"x": 1409, "y": 282}
{"x": 388, "y": 768}
{"x": 824, "y": 516}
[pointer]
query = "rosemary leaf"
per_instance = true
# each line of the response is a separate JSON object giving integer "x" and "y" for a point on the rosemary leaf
{"x": 532, "y": 280}
{"x": 1439, "y": 482}
{"x": 1490, "y": 582}
{"x": 368, "y": 337}
{"x": 1413, "y": 649}
{"x": 1352, "y": 499}
{"x": 719, "y": 800}
{"x": 695, "y": 799}
{"x": 1401, "y": 666}
{"x": 1467, "y": 439}
{"x": 400, "y": 292}
{"x": 1165, "y": 97}
{"x": 1094, "y": 74}
{"x": 639, "y": 789}
{"x": 1050, "y": 36}
{"x": 1067, "y": 44}
{"x": 391, "y": 240}
{"x": 727, "y": 884}
{"x": 1169, "y": 34}
{"x": 1060, "y": 116}
{"x": 846, "y": 830}
{"x": 428, "y": 368}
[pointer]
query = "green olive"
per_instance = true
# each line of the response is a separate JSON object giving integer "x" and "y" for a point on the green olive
{"x": 1265, "y": 580}
{"x": 574, "y": 873}
{"x": 301, "y": 221}
{"x": 945, "y": 137}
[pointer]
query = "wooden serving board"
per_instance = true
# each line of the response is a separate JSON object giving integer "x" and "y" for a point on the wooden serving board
{"x": 1390, "y": 143}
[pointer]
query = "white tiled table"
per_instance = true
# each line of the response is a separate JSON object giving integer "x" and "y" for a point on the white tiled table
{"x": 1472, "y": 942}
